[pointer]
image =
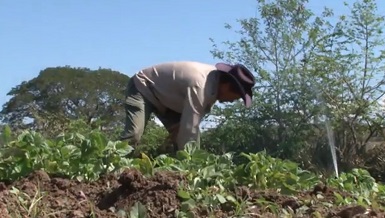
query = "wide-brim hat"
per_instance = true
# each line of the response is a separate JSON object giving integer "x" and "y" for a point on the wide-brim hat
{"x": 242, "y": 77}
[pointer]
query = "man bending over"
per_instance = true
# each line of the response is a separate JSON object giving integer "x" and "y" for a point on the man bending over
{"x": 180, "y": 94}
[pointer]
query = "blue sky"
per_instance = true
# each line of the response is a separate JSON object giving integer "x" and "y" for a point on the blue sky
{"x": 122, "y": 35}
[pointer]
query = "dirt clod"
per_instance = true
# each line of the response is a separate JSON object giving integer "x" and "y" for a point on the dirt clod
{"x": 351, "y": 211}
{"x": 2, "y": 186}
{"x": 60, "y": 183}
{"x": 131, "y": 179}
{"x": 293, "y": 204}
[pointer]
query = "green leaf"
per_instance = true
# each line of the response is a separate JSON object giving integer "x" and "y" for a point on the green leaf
{"x": 183, "y": 194}
{"x": 145, "y": 164}
{"x": 6, "y": 135}
{"x": 317, "y": 214}
{"x": 68, "y": 151}
{"x": 138, "y": 211}
{"x": 339, "y": 197}
{"x": 121, "y": 213}
{"x": 200, "y": 155}
{"x": 188, "y": 205}
{"x": 231, "y": 198}
{"x": 182, "y": 155}
{"x": 221, "y": 199}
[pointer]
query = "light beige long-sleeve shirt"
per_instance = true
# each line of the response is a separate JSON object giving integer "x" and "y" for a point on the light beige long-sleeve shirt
{"x": 186, "y": 87}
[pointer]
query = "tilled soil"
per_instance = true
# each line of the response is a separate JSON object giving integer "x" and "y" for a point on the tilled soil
{"x": 111, "y": 195}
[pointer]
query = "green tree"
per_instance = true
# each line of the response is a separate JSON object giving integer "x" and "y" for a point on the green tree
{"x": 355, "y": 59}
{"x": 306, "y": 67}
{"x": 275, "y": 45}
{"x": 60, "y": 94}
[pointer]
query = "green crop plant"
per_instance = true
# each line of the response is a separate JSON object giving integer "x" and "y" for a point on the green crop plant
{"x": 84, "y": 157}
{"x": 211, "y": 180}
{"x": 262, "y": 171}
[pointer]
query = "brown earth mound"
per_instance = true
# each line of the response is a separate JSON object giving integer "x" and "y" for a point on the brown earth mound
{"x": 111, "y": 195}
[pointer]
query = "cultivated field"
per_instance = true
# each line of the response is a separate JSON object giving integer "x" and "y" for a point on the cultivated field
{"x": 88, "y": 176}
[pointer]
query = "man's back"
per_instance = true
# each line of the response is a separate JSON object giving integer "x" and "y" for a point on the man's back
{"x": 166, "y": 84}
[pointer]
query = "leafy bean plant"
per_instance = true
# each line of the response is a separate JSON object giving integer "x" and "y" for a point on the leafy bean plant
{"x": 265, "y": 172}
{"x": 212, "y": 181}
{"x": 73, "y": 155}
{"x": 363, "y": 187}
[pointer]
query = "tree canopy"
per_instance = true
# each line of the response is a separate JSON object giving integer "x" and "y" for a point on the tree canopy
{"x": 314, "y": 73}
{"x": 62, "y": 93}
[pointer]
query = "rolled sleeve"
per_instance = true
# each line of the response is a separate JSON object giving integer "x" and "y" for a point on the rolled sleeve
{"x": 193, "y": 112}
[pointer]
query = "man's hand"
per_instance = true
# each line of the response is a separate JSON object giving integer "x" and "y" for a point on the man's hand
{"x": 169, "y": 145}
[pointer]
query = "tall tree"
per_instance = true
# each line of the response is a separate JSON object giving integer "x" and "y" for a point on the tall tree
{"x": 307, "y": 66}
{"x": 276, "y": 45}
{"x": 358, "y": 57}
{"x": 66, "y": 93}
